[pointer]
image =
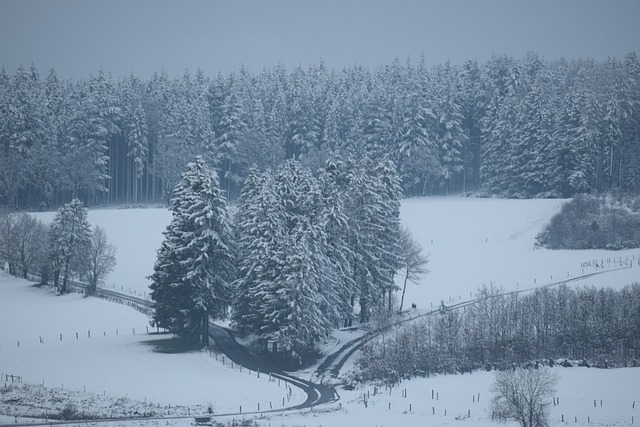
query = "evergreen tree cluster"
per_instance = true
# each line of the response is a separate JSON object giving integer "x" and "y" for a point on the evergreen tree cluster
{"x": 594, "y": 222}
{"x": 58, "y": 252}
{"x": 587, "y": 326}
{"x": 508, "y": 127}
{"x": 312, "y": 252}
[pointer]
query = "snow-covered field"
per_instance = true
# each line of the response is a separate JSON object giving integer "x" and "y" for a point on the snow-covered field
{"x": 113, "y": 355}
{"x": 470, "y": 241}
{"x": 473, "y": 241}
{"x": 458, "y": 396}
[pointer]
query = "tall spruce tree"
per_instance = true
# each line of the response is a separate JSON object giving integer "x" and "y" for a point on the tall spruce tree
{"x": 374, "y": 209}
{"x": 195, "y": 265}
{"x": 259, "y": 232}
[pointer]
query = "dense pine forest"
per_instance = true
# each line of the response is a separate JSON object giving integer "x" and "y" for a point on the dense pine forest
{"x": 505, "y": 127}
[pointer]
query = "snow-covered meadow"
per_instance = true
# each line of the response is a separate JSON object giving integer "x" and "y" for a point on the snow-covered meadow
{"x": 470, "y": 242}
{"x": 112, "y": 355}
{"x": 473, "y": 242}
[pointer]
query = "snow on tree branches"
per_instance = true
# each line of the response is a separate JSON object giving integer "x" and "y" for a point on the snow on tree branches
{"x": 195, "y": 264}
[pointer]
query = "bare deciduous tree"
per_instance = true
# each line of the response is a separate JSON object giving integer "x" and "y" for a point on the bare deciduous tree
{"x": 31, "y": 243}
{"x": 102, "y": 259}
{"x": 413, "y": 262}
{"x": 523, "y": 395}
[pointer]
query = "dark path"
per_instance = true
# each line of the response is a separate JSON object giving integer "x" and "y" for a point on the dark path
{"x": 316, "y": 393}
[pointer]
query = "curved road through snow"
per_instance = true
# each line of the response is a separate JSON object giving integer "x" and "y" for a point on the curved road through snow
{"x": 317, "y": 394}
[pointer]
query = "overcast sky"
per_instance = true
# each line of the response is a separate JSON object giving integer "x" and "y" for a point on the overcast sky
{"x": 78, "y": 37}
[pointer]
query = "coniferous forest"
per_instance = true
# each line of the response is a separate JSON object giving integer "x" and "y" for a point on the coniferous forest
{"x": 505, "y": 127}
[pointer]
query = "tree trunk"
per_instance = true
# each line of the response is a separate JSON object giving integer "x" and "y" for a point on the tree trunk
{"x": 364, "y": 310}
{"x": 63, "y": 289}
{"x": 404, "y": 288}
{"x": 205, "y": 329}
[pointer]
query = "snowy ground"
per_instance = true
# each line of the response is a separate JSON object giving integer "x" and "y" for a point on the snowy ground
{"x": 473, "y": 241}
{"x": 113, "y": 361}
{"x": 614, "y": 392}
{"x": 470, "y": 241}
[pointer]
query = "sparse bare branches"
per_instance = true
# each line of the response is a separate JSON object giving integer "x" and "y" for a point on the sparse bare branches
{"x": 413, "y": 261}
{"x": 522, "y": 395}
{"x": 102, "y": 259}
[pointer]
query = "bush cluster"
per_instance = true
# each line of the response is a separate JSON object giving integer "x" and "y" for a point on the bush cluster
{"x": 594, "y": 222}
{"x": 598, "y": 327}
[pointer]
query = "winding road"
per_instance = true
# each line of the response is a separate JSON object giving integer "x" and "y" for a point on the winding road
{"x": 317, "y": 394}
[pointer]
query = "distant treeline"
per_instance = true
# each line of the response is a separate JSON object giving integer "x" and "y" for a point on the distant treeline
{"x": 593, "y": 326}
{"x": 594, "y": 222}
{"x": 507, "y": 127}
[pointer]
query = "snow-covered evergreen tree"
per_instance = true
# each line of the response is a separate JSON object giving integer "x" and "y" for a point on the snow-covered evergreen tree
{"x": 230, "y": 131}
{"x": 136, "y": 136}
{"x": 260, "y": 230}
{"x": 452, "y": 138}
{"x": 195, "y": 265}
{"x": 373, "y": 206}
{"x": 304, "y": 296}
{"x": 69, "y": 243}
{"x": 532, "y": 143}
{"x": 334, "y": 181}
